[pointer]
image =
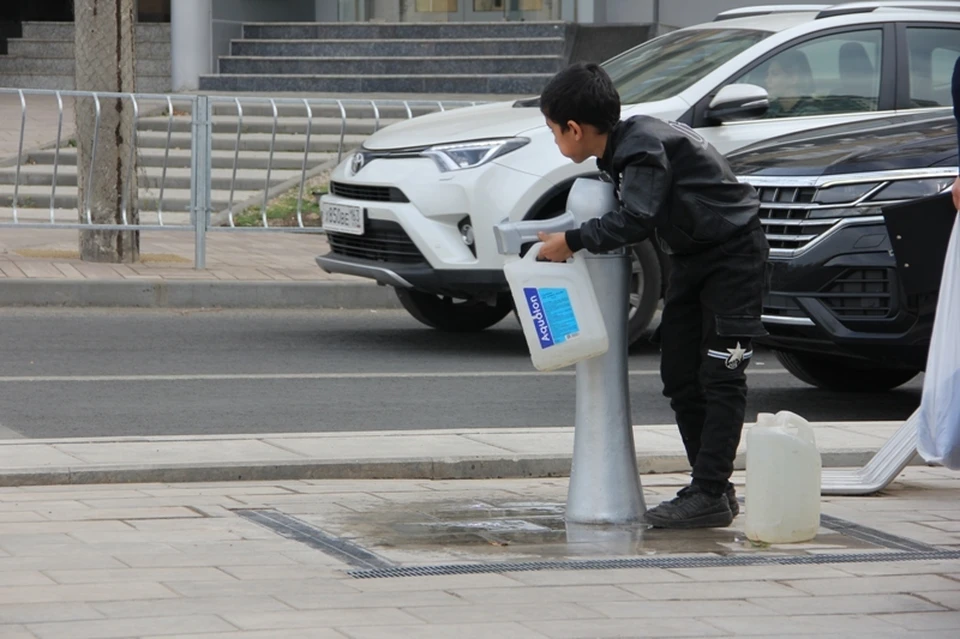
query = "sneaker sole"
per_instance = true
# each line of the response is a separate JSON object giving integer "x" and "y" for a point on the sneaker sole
{"x": 714, "y": 520}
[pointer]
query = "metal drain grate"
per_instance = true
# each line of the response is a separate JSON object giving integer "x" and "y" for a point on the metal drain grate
{"x": 653, "y": 562}
{"x": 299, "y": 530}
{"x": 372, "y": 566}
{"x": 873, "y": 536}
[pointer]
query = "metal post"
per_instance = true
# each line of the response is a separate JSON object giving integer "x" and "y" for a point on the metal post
{"x": 604, "y": 481}
{"x": 200, "y": 172}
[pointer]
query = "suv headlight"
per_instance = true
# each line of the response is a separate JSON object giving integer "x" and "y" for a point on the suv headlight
{"x": 467, "y": 155}
{"x": 896, "y": 190}
{"x": 914, "y": 189}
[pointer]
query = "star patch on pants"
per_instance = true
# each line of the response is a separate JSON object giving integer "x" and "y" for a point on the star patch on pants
{"x": 733, "y": 357}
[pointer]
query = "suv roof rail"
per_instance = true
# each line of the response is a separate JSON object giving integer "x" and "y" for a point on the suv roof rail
{"x": 867, "y": 7}
{"x": 767, "y": 9}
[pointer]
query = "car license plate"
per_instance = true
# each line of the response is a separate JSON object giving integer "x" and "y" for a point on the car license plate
{"x": 342, "y": 218}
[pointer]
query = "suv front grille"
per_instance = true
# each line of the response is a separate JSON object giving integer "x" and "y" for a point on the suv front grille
{"x": 860, "y": 293}
{"x": 784, "y": 214}
{"x": 781, "y": 306}
{"x": 382, "y": 241}
{"x": 367, "y": 193}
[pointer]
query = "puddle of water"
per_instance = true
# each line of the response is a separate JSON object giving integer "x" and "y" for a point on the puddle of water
{"x": 499, "y": 531}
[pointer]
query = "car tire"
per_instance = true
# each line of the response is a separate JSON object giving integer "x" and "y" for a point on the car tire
{"x": 645, "y": 286}
{"x": 451, "y": 315}
{"x": 843, "y": 375}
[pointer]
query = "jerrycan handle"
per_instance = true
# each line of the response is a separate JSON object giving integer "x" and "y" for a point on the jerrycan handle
{"x": 534, "y": 253}
{"x": 798, "y": 424}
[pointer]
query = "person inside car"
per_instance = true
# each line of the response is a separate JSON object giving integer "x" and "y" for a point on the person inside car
{"x": 674, "y": 186}
{"x": 790, "y": 85}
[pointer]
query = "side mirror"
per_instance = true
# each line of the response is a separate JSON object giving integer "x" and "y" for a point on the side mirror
{"x": 738, "y": 102}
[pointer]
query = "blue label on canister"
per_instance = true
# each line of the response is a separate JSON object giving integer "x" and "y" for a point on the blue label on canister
{"x": 552, "y": 313}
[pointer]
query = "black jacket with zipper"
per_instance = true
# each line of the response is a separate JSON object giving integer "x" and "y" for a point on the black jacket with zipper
{"x": 670, "y": 182}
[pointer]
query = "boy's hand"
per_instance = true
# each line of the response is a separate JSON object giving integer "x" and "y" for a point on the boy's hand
{"x": 554, "y": 247}
{"x": 956, "y": 194}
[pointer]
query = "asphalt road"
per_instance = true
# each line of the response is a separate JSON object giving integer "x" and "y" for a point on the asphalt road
{"x": 92, "y": 373}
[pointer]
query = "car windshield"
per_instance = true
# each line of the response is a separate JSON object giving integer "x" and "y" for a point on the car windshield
{"x": 664, "y": 67}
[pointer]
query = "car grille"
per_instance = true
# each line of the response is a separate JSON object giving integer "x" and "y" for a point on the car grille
{"x": 785, "y": 216}
{"x": 781, "y": 306}
{"x": 860, "y": 293}
{"x": 382, "y": 241}
{"x": 367, "y": 193}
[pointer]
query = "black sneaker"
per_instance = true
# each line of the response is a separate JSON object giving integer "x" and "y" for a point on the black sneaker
{"x": 732, "y": 499}
{"x": 691, "y": 508}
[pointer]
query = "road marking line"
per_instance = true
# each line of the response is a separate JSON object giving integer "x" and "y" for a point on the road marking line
{"x": 9, "y": 433}
{"x": 314, "y": 376}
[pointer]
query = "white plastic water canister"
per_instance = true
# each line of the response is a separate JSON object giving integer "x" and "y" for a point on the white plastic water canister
{"x": 783, "y": 480}
{"x": 558, "y": 309}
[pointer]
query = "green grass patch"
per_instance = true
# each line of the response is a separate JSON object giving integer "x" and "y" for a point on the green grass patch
{"x": 282, "y": 210}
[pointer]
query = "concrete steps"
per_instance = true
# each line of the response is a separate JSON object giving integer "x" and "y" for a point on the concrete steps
{"x": 180, "y": 158}
{"x": 174, "y": 200}
{"x": 403, "y": 48}
{"x": 43, "y": 58}
{"x": 450, "y": 84}
{"x": 394, "y": 66}
{"x": 458, "y": 58}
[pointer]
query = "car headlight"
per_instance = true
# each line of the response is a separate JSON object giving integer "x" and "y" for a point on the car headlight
{"x": 896, "y": 190}
{"x": 914, "y": 189}
{"x": 467, "y": 155}
{"x": 844, "y": 193}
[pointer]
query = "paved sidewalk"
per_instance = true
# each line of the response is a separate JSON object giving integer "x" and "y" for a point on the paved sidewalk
{"x": 189, "y": 561}
{"x": 244, "y": 270}
{"x": 431, "y": 454}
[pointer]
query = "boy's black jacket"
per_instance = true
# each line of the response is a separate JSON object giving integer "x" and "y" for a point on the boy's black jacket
{"x": 669, "y": 181}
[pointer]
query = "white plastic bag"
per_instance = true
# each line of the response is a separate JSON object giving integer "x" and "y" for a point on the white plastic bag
{"x": 938, "y": 418}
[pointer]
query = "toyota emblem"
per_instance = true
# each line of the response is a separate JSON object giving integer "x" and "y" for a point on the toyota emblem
{"x": 356, "y": 163}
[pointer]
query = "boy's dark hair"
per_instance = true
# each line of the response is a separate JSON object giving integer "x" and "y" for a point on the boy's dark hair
{"x": 584, "y": 93}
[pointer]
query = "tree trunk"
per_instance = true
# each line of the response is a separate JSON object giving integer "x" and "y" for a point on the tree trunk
{"x": 105, "y": 61}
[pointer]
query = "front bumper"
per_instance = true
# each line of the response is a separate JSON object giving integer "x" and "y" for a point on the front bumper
{"x": 412, "y": 236}
{"x": 423, "y": 277}
{"x": 844, "y": 297}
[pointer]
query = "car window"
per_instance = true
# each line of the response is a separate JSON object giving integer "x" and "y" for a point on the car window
{"x": 838, "y": 73}
{"x": 931, "y": 54}
{"x": 664, "y": 67}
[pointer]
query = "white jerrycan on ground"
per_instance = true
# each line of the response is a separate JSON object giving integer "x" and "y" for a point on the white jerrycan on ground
{"x": 783, "y": 480}
{"x": 558, "y": 310}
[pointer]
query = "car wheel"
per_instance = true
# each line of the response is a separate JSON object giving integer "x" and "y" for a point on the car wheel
{"x": 843, "y": 375}
{"x": 645, "y": 284}
{"x": 453, "y": 315}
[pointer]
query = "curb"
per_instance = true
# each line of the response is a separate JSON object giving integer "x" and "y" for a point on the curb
{"x": 195, "y": 294}
{"x": 423, "y": 468}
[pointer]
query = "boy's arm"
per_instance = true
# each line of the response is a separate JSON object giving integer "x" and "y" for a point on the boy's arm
{"x": 643, "y": 190}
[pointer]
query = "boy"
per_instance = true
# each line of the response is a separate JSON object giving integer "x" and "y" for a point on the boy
{"x": 675, "y": 187}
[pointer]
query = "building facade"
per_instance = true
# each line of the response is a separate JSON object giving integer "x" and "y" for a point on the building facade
{"x": 201, "y": 32}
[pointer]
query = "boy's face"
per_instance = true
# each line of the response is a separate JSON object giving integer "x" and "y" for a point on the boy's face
{"x": 572, "y": 142}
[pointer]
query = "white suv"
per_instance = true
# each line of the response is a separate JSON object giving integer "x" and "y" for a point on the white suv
{"x": 415, "y": 207}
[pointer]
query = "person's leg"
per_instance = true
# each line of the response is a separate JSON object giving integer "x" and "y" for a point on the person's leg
{"x": 733, "y": 296}
{"x": 680, "y": 337}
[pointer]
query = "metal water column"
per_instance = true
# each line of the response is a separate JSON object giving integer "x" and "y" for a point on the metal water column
{"x": 604, "y": 480}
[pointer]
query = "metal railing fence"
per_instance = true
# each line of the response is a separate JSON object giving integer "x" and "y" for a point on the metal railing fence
{"x": 197, "y": 163}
